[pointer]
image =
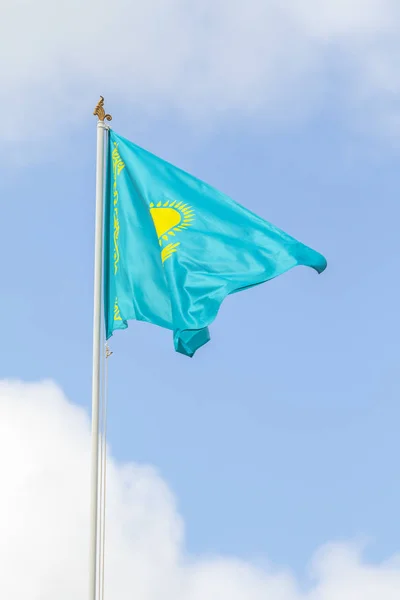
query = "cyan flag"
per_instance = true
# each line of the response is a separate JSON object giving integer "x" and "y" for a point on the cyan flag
{"x": 175, "y": 247}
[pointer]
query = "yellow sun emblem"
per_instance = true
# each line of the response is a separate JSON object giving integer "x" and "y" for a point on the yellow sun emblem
{"x": 169, "y": 218}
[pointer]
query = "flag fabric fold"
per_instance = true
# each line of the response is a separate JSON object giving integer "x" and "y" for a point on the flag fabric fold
{"x": 175, "y": 247}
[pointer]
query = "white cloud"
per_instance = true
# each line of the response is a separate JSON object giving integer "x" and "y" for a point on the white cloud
{"x": 44, "y": 464}
{"x": 208, "y": 60}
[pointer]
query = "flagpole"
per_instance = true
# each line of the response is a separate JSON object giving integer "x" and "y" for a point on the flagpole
{"x": 97, "y": 302}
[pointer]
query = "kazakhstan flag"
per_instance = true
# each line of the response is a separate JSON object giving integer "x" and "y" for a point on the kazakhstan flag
{"x": 175, "y": 247}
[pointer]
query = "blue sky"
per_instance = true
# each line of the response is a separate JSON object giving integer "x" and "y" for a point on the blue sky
{"x": 287, "y": 418}
{"x": 281, "y": 434}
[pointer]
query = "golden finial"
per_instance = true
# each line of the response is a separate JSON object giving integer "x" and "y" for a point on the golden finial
{"x": 100, "y": 112}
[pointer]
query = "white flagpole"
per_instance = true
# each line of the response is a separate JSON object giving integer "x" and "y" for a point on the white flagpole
{"x": 97, "y": 321}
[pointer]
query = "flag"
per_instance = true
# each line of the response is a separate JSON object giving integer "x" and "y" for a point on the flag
{"x": 175, "y": 247}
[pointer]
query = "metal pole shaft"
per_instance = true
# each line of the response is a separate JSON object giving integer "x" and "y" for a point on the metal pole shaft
{"x": 98, "y": 260}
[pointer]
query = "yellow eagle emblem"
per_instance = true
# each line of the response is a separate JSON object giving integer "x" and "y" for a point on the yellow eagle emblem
{"x": 169, "y": 218}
